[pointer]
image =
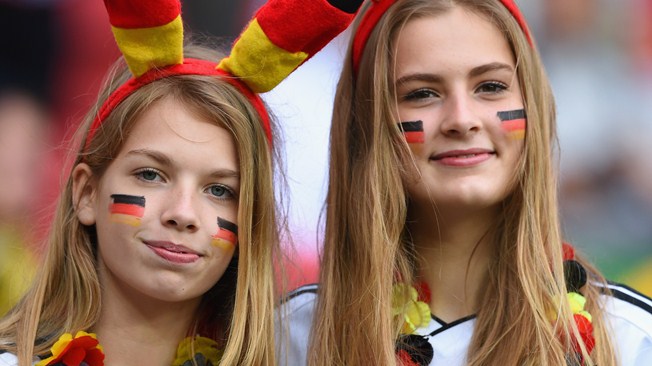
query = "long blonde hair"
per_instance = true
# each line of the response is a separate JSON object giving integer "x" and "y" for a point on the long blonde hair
{"x": 238, "y": 310}
{"x": 365, "y": 247}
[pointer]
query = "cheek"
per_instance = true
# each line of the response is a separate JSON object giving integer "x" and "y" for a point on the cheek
{"x": 416, "y": 149}
{"x": 221, "y": 257}
{"x": 127, "y": 209}
{"x": 515, "y": 130}
{"x": 414, "y": 134}
{"x": 513, "y": 123}
{"x": 515, "y": 151}
{"x": 226, "y": 237}
{"x": 218, "y": 271}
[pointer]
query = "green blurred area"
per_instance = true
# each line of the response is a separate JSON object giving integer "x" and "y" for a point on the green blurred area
{"x": 631, "y": 265}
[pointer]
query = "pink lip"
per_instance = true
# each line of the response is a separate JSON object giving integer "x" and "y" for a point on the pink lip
{"x": 173, "y": 252}
{"x": 463, "y": 158}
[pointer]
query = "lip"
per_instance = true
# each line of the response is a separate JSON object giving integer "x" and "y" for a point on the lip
{"x": 171, "y": 252}
{"x": 463, "y": 158}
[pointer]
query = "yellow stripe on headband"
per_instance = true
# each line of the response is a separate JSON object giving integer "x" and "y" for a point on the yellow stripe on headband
{"x": 147, "y": 48}
{"x": 260, "y": 63}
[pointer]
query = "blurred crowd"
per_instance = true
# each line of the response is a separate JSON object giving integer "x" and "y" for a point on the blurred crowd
{"x": 598, "y": 54}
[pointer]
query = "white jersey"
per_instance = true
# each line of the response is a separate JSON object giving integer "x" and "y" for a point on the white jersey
{"x": 629, "y": 315}
{"x": 8, "y": 359}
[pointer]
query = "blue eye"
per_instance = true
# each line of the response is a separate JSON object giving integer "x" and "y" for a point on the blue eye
{"x": 220, "y": 191}
{"x": 148, "y": 175}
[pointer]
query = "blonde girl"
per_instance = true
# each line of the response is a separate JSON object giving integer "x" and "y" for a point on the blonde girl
{"x": 442, "y": 239}
{"x": 164, "y": 239}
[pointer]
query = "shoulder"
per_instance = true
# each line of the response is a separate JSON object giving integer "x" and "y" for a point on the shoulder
{"x": 298, "y": 307}
{"x": 301, "y": 297}
{"x": 293, "y": 324}
{"x": 631, "y": 306}
{"x": 629, "y": 316}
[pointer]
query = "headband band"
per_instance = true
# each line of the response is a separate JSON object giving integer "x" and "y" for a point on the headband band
{"x": 283, "y": 35}
{"x": 377, "y": 9}
{"x": 189, "y": 66}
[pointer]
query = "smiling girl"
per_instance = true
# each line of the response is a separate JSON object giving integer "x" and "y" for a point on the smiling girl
{"x": 442, "y": 239}
{"x": 165, "y": 236}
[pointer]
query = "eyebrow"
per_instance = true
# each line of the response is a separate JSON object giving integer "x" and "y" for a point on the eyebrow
{"x": 431, "y": 78}
{"x": 154, "y": 155}
{"x": 436, "y": 78}
{"x": 166, "y": 161}
{"x": 494, "y": 66}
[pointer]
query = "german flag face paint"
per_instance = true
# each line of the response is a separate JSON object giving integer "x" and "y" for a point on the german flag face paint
{"x": 227, "y": 234}
{"x": 413, "y": 131}
{"x": 513, "y": 123}
{"x": 126, "y": 209}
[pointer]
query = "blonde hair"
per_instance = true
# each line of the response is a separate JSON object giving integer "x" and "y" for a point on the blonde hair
{"x": 366, "y": 249}
{"x": 238, "y": 310}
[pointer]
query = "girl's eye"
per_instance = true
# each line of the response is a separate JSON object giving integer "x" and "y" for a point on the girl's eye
{"x": 492, "y": 87}
{"x": 220, "y": 191}
{"x": 420, "y": 94}
{"x": 149, "y": 175}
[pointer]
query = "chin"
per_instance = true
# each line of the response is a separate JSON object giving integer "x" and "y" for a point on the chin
{"x": 175, "y": 295}
{"x": 171, "y": 288}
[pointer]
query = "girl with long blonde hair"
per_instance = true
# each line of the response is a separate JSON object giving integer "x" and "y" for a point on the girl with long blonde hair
{"x": 163, "y": 245}
{"x": 442, "y": 239}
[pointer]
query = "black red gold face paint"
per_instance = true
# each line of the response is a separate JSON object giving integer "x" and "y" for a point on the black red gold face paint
{"x": 226, "y": 236}
{"x": 413, "y": 132}
{"x": 127, "y": 209}
{"x": 513, "y": 122}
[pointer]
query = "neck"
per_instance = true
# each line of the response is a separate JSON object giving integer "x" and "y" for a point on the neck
{"x": 454, "y": 254}
{"x": 139, "y": 330}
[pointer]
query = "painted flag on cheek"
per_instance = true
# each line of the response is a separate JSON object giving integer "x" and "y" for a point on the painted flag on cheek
{"x": 227, "y": 234}
{"x": 513, "y": 123}
{"x": 413, "y": 132}
{"x": 127, "y": 209}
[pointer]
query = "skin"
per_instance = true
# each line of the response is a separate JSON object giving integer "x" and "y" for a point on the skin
{"x": 23, "y": 137}
{"x": 454, "y": 72}
{"x": 153, "y": 275}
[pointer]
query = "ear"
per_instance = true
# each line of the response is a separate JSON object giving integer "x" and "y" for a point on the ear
{"x": 83, "y": 193}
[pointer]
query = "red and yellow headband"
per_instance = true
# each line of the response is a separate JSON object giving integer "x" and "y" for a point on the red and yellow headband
{"x": 376, "y": 10}
{"x": 283, "y": 35}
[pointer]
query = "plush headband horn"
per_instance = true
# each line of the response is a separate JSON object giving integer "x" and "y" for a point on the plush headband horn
{"x": 282, "y": 36}
{"x": 378, "y": 7}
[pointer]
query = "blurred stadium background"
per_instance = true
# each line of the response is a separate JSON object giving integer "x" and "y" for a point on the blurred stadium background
{"x": 598, "y": 54}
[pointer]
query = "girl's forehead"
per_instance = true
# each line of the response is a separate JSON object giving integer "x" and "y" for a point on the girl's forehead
{"x": 186, "y": 139}
{"x": 175, "y": 119}
{"x": 455, "y": 38}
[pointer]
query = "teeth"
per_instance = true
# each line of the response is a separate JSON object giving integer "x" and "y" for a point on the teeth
{"x": 467, "y": 156}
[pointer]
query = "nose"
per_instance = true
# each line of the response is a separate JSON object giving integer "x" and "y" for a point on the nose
{"x": 459, "y": 119}
{"x": 181, "y": 211}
